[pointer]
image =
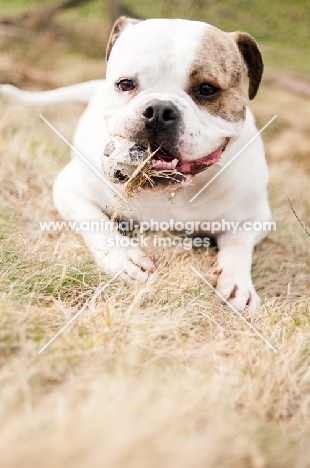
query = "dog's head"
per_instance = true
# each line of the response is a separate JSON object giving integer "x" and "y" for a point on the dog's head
{"x": 175, "y": 87}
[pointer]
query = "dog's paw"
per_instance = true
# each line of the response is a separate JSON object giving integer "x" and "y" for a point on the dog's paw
{"x": 237, "y": 290}
{"x": 136, "y": 264}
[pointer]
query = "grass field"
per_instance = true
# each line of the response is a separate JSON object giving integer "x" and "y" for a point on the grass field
{"x": 160, "y": 375}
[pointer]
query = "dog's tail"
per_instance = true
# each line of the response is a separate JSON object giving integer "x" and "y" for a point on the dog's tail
{"x": 80, "y": 92}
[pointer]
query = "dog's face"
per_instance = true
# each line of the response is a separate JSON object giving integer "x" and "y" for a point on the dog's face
{"x": 176, "y": 88}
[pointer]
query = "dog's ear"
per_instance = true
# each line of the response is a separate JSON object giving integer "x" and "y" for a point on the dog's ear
{"x": 252, "y": 58}
{"x": 119, "y": 26}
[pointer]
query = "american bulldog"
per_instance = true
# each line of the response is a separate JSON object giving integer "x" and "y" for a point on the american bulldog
{"x": 173, "y": 102}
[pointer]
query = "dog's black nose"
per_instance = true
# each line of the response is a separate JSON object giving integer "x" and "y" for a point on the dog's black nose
{"x": 158, "y": 116}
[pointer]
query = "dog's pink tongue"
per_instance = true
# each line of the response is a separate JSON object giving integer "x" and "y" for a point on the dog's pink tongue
{"x": 187, "y": 166}
{"x": 160, "y": 164}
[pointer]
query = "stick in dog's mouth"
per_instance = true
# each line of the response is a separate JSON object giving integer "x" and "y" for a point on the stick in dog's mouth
{"x": 157, "y": 170}
{"x": 154, "y": 167}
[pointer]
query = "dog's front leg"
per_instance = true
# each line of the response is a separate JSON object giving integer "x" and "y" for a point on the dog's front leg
{"x": 74, "y": 191}
{"x": 234, "y": 269}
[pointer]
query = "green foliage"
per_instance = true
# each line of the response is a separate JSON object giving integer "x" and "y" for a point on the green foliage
{"x": 280, "y": 27}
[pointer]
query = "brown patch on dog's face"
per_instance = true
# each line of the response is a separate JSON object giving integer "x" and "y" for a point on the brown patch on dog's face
{"x": 219, "y": 64}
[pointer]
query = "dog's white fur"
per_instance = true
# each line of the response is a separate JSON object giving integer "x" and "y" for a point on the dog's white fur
{"x": 238, "y": 194}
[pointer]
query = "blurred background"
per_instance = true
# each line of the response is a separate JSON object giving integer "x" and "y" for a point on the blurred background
{"x": 41, "y": 39}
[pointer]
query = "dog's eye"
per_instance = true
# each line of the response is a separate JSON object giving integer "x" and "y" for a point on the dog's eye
{"x": 125, "y": 85}
{"x": 207, "y": 90}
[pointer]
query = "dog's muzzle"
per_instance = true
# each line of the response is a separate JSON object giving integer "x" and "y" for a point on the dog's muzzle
{"x": 153, "y": 156}
{"x": 124, "y": 159}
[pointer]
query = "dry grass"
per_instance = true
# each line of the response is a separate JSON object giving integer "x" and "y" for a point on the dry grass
{"x": 154, "y": 376}
{"x": 143, "y": 176}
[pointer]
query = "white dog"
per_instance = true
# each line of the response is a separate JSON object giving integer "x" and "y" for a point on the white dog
{"x": 175, "y": 87}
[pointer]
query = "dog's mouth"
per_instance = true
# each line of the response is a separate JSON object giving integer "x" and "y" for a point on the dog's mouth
{"x": 168, "y": 170}
{"x": 153, "y": 167}
{"x": 163, "y": 161}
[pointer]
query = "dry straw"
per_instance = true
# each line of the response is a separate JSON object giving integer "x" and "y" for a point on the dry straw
{"x": 144, "y": 175}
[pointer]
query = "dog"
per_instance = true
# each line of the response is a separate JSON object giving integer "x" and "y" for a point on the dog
{"x": 174, "y": 92}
